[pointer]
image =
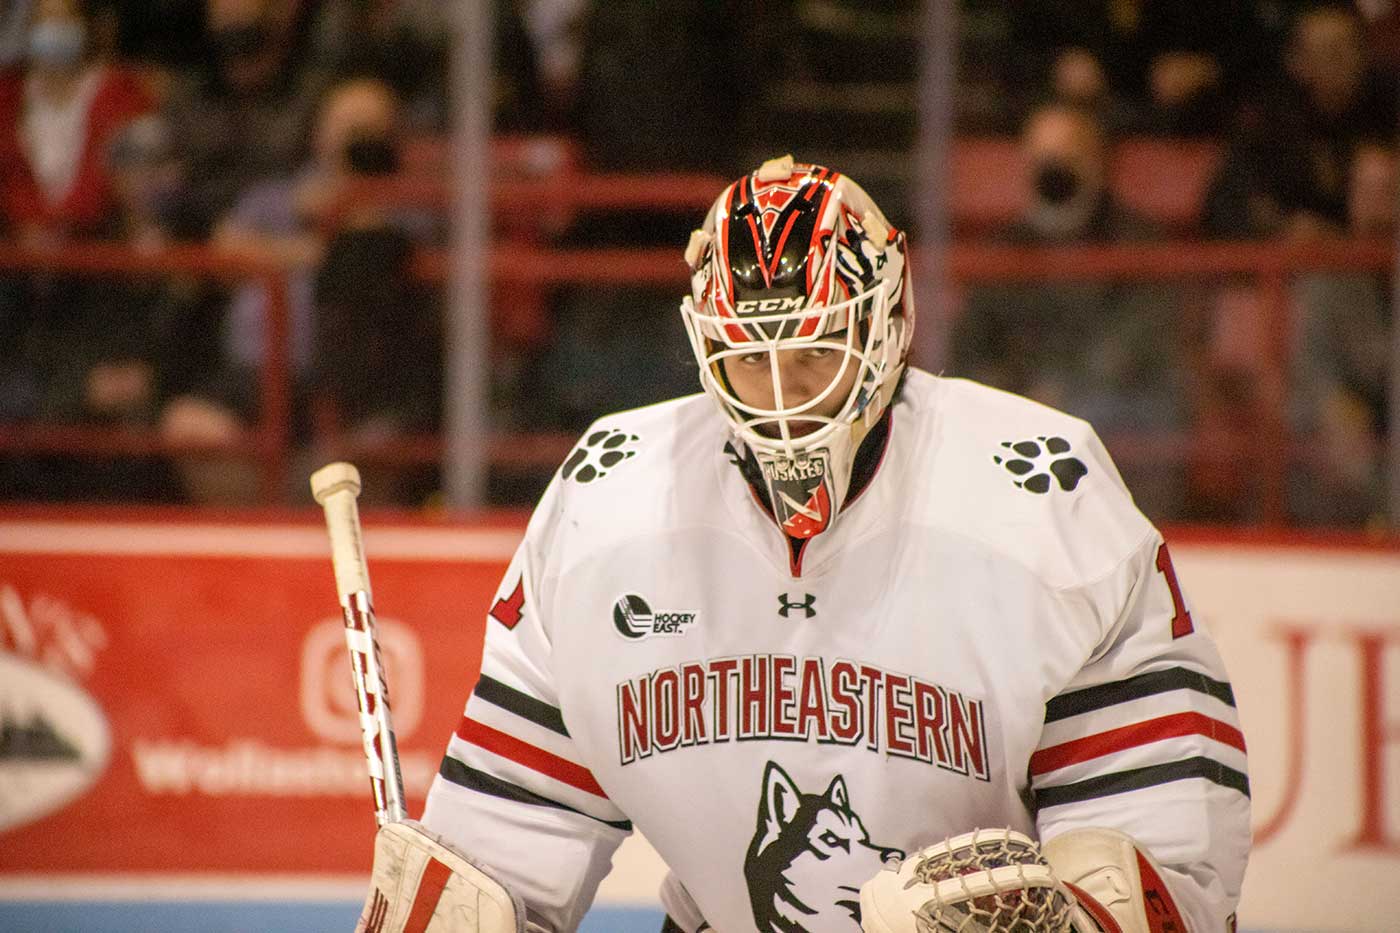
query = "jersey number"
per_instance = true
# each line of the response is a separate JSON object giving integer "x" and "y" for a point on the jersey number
{"x": 1181, "y": 618}
{"x": 507, "y": 611}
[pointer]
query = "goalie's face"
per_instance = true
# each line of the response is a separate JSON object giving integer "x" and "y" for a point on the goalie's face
{"x": 791, "y": 392}
{"x": 802, "y": 389}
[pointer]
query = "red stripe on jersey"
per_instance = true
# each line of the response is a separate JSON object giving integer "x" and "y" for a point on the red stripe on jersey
{"x": 523, "y": 753}
{"x": 430, "y": 886}
{"x": 1162, "y": 914}
{"x": 1126, "y": 737}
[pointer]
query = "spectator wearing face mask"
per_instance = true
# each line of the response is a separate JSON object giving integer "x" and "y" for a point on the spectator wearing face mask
{"x": 58, "y": 115}
{"x": 247, "y": 115}
{"x": 287, "y": 220}
{"x": 1105, "y": 351}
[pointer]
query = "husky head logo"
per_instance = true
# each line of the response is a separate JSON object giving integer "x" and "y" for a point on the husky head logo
{"x": 809, "y": 857}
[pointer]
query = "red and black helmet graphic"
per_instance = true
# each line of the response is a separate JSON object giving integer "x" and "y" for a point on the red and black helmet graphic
{"x": 779, "y": 251}
{"x": 771, "y": 232}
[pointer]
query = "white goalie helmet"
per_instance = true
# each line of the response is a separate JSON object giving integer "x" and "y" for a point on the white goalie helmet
{"x": 796, "y": 257}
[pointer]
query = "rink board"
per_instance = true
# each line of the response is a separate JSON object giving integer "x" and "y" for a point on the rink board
{"x": 188, "y": 743}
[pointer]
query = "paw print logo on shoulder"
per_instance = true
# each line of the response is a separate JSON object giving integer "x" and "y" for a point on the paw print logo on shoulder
{"x": 1036, "y": 463}
{"x": 597, "y": 454}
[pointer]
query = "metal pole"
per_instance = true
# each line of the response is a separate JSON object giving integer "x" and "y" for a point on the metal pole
{"x": 274, "y": 430}
{"x": 1393, "y": 399}
{"x": 466, "y": 419}
{"x": 930, "y": 198}
{"x": 1392, "y": 460}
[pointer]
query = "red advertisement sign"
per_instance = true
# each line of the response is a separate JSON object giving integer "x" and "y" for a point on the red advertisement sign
{"x": 177, "y": 719}
{"x": 176, "y": 697}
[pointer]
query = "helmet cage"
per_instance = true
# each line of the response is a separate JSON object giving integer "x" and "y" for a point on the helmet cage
{"x": 859, "y": 328}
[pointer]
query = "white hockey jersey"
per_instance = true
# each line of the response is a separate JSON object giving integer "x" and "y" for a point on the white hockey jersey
{"x": 990, "y": 635}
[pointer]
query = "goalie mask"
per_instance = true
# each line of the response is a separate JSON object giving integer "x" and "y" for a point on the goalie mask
{"x": 796, "y": 270}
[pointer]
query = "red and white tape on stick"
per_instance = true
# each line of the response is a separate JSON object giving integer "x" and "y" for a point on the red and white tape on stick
{"x": 336, "y": 487}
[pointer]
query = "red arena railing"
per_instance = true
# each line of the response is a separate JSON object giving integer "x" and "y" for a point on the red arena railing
{"x": 268, "y": 440}
{"x": 1269, "y": 267}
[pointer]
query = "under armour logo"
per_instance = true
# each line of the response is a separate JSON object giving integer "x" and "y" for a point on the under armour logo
{"x": 786, "y": 605}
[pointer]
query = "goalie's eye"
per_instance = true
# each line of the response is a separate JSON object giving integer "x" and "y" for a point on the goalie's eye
{"x": 833, "y": 841}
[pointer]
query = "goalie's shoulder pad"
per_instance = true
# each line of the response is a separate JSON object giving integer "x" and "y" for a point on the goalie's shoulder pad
{"x": 1115, "y": 881}
{"x": 421, "y": 883}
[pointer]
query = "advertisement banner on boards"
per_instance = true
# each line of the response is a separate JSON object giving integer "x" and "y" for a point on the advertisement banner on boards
{"x": 175, "y": 700}
{"x": 179, "y": 698}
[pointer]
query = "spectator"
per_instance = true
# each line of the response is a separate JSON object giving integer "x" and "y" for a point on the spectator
{"x": 285, "y": 221}
{"x": 167, "y": 34}
{"x": 1341, "y": 364}
{"x": 179, "y": 313}
{"x": 1190, "y": 62}
{"x": 1170, "y": 66}
{"x": 106, "y": 350}
{"x": 408, "y": 44}
{"x": 148, "y": 180}
{"x": 246, "y": 116}
{"x": 1068, "y": 48}
{"x": 74, "y": 351}
{"x": 57, "y": 117}
{"x": 1285, "y": 175}
{"x": 1100, "y": 350}
{"x": 555, "y": 32}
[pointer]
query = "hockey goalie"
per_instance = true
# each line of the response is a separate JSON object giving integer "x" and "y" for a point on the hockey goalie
{"x": 808, "y": 630}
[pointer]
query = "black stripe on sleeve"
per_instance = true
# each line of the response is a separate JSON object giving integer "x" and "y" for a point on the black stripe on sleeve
{"x": 521, "y": 704}
{"x": 464, "y": 776}
{"x": 1135, "y": 688}
{"x": 1138, "y": 778}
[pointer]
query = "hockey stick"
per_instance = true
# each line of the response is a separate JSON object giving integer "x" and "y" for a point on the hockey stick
{"x": 336, "y": 487}
{"x": 419, "y": 882}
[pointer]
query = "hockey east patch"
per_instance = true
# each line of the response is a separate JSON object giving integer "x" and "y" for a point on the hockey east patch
{"x": 634, "y": 619}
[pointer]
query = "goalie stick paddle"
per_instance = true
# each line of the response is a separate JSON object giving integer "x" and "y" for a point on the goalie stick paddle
{"x": 336, "y": 487}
